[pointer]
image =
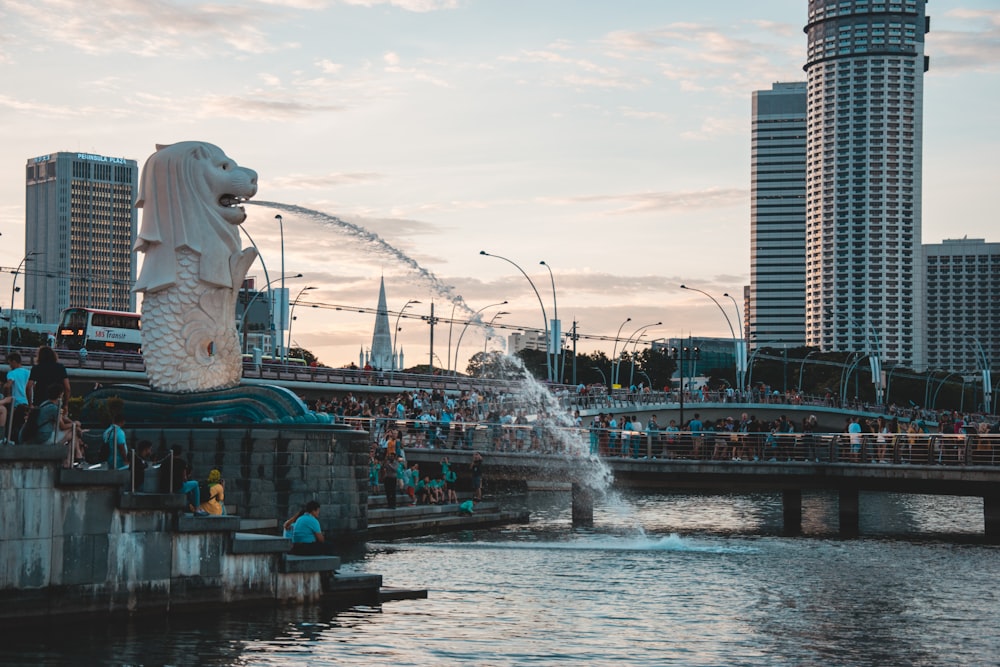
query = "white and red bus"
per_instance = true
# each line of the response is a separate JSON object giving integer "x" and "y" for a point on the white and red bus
{"x": 99, "y": 330}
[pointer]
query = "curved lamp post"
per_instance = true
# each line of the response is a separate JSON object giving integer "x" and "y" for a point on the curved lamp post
{"x": 636, "y": 335}
{"x": 802, "y": 367}
{"x": 614, "y": 354}
{"x": 291, "y": 315}
{"x": 395, "y": 331}
{"x": 490, "y": 325}
{"x": 556, "y": 335}
{"x": 941, "y": 384}
{"x": 284, "y": 312}
{"x": 246, "y": 309}
{"x": 987, "y": 380}
{"x": 458, "y": 345}
{"x": 13, "y": 290}
{"x": 545, "y": 318}
{"x": 741, "y": 353}
{"x": 604, "y": 378}
{"x": 732, "y": 332}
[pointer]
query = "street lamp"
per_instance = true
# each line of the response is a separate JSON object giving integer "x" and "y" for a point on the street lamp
{"x": 732, "y": 332}
{"x": 604, "y": 378}
{"x": 614, "y": 353}
{"x": 636, "y": 335}
{"x": 490, "y": 325}
{"x": 246, "y": 309}
{"x": 802, "y": 367}
{"x": 545, "y": 319}
{"x": 741, "y": 355}
{"x": 13, "y": 290}
{"x": 395, "y": 331}
{"x": 291, "y": 316}
{"x": 987, "y": 381}
{"x": 556, "y": 333}
{"x": 467, "y": 323}
{"x": 284, "y": 295}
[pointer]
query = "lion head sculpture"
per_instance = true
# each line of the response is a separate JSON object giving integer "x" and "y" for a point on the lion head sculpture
{"x": 190, "y": 193}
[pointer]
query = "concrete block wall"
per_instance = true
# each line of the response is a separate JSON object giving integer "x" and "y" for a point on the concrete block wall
{"x": 71, "y": 542}
{"x": 271, "y": 472}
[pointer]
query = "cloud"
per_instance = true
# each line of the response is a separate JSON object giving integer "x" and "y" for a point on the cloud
{"x": 702, "y": 57}
{"x": 578, "y": 73}
{"x": 323, "y": 181}
{"x": 644, "y": 202}
{"x": 43, "y": 109}
{"x": 976, "y": 48}
{"x": 149, "y": 29}
{"x": 717, "y": 127}
{"x": 408, "y": 5}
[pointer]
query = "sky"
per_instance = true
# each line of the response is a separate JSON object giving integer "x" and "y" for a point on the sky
{"x": 610, "y": 140}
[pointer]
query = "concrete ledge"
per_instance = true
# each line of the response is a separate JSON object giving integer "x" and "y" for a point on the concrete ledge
{"x": 32, "y": 453}
{"x": 249, "y": 543}
{"x": 152, "y": 501}
{"x": 207, "y": 524}
{"x": 353, "y": 582}
{"x": 95, "y": 477}
{"x": 258, "y": 524}
{"x": 292, "y": 563}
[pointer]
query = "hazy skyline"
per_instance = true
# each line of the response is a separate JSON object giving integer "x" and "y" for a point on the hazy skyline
{"x": 611, "y": 140}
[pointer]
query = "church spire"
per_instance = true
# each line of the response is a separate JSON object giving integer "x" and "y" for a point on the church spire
{"x": 381, "y": 349}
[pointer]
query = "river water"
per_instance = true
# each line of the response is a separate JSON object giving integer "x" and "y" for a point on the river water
{"x": 659, "y": 580}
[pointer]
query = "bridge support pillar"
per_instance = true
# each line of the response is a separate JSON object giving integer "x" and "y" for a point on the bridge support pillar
{"x": 849, "y": 512}
{"x": 583, "y": 505}
{"x": 791, "y": 505}
{"x": 991, "y": 516}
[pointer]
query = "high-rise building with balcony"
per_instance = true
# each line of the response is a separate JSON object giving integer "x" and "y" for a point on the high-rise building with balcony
{"x": 864, "y": 275}
{"x": 778, "y": 217}
{"x": 963, "y": 305}
{"x": 80, "y": 224}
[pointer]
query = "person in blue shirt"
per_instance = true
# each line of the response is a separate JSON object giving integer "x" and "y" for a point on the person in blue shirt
{"x": 307, "y": 535}
{"x": 114, "y": 435}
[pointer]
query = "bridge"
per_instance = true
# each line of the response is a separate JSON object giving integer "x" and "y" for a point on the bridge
{"x": 955, "y": 465}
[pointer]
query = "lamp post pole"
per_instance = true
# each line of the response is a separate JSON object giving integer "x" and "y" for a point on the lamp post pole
{"x": 741, "y": 352}
{"x": 13, "y": 290}
{"x": 732, "y": 332}
{"x": 614, "y": 355}
{"x": 246, "y": 309}
{"x": 291, "y": 316}
{"x": 987, "y": 380}
{"x": 284, "y": 306}
{"x": 458, "y": 345}
{"x": 554, "y": 345}
{"x": 545, "y": 318}
{"x": 636, "y": 336}
{"x": 395, "y": 332}
{"x": 490, "y": 325}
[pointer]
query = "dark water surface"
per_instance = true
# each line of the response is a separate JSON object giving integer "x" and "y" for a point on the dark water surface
{"x": 659, "y": 580}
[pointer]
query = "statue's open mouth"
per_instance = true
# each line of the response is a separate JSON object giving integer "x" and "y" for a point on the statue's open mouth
{"x": 231, "y": 201}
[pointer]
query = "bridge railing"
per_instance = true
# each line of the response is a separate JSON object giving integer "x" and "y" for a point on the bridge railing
{"x": 947, "y": 449}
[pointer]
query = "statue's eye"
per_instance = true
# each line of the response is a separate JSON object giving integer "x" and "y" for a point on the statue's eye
{"x": 225, "y": 166}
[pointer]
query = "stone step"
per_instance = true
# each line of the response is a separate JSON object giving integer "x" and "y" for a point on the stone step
{"x": 411, "y": 512}
{"x": 252, "y": 543}
{"x": 444, "y": 523}
{"x": 295, "y": 563}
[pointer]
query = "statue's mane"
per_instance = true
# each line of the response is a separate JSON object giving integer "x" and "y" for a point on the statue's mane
{"x": 180, "y": 210}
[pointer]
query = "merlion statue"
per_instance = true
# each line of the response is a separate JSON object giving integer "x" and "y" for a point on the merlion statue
{"x": 190, "y": 194}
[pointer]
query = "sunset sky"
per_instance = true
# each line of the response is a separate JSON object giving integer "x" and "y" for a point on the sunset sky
{"x": 609, "y": 139}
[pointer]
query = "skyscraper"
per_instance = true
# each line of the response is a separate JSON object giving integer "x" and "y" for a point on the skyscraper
{"x": 865, "y": 71}
{"x": 963, "y": 311}
{"x": 80, "y": 223}
{"x": 778, "y": 217}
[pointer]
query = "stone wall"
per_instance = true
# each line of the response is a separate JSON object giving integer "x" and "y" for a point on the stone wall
{"x": 270, "y": 472}
{"x": 76, "y": 541}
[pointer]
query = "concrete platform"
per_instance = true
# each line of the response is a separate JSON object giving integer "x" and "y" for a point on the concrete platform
{"x": 294, "y": 563}
{"x": 250, "y": 543}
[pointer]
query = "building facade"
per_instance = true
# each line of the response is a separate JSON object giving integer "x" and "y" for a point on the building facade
{"x": 963, "y": 306}
{"x": 80, "y": 225}
{"x": 778, "y": 217}
{"x": 864, "y": 274}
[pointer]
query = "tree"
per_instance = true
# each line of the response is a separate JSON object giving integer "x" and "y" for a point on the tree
{"x": 302, "y": 353}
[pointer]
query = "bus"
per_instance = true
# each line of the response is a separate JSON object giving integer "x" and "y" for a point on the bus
{"x": 99, "y": 330}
